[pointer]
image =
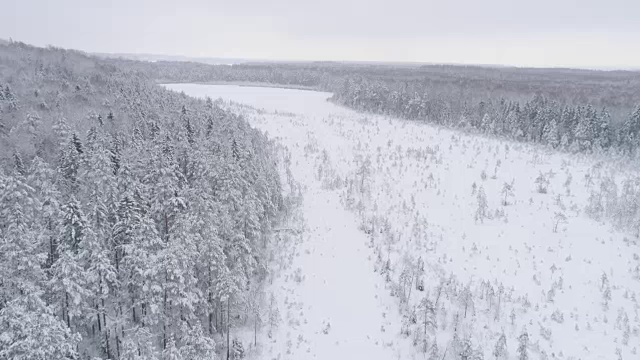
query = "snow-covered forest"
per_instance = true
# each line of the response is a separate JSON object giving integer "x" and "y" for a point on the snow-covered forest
{"x": 546, "y": 120}
{"x": 158, "y": 210}
{"x": 571, "y": 110}
{"x": 133, "y": 220}
{"x": 319, "y": 180}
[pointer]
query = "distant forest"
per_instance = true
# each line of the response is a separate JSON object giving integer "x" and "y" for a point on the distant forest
{"x": 568, "y": 109}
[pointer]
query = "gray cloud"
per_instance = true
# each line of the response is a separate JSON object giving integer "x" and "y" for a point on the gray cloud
{"x": 537, "y": 33}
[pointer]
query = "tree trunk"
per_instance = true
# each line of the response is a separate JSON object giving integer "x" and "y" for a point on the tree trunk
{"x": 445, "y": 352}
{"x": 118, "y": 338}
{"x": 66, "y": 309}
{"x": 106, "y": 340}
{"x": 438, "y": 297}
{"x": 228, "y": 327}
{"x": 166, "y": 227}
{"x": 117, "y": 344}
{"x": 210, "y": 302}
{"x": 216, "y": 314}
{"x": 143, "y": 312}
{"x": 133, "y": 310}
{"x": 164, "y": 320}
{"x": 106, "y": 330}
{"x": 98, "y": 316}
{"x": 425, "y": 328}
{"x": 210, "y": 322}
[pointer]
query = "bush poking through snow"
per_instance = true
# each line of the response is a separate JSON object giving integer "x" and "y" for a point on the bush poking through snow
{"x": 482, "y": 211}
{"x": 542, "y": 184}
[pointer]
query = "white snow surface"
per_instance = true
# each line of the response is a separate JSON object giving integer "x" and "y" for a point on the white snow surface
{"x": 367, "y": 172}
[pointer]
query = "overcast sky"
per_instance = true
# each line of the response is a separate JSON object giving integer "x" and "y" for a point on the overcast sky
{"x": 575, "y": 33}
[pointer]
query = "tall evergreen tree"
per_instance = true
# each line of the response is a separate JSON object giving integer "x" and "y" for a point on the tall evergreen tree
{"x": 523, "y": 345}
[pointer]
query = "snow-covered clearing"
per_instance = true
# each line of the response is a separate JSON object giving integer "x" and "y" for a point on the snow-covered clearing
{"x": 473, "y": 236}
{"x": 333, "y": 308}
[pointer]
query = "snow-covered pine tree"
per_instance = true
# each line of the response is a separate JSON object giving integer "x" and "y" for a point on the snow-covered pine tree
{"x": 523, "y": 345}
{"x": 428, "y": 320}
{"x": 500, "y": 349}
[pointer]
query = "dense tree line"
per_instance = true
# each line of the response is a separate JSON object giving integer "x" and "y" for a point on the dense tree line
{"x": 576, "y": 110}
{"x": 132, "y": 219}
{"x": 581, "y": 128}
{"x": 619, "y": 91}
{"x": 281, "y": 74}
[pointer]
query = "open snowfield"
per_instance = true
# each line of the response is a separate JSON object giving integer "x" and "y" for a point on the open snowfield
{"x": 415, "y": 233}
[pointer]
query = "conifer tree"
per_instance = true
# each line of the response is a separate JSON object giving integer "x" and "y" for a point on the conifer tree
{"x": 523, "y": 344}
{"x": 500, "y": 349}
